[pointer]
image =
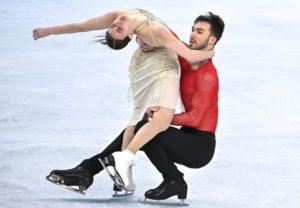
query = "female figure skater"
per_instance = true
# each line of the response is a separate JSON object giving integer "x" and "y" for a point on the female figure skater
{"x": 154, "y": 76}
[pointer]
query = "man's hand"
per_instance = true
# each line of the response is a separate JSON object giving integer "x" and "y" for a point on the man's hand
{"x": 151, "y": 110}
{"x": 40, "y": 33}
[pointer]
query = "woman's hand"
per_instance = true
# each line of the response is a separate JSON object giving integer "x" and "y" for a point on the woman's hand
{"x": 40, "y": 33}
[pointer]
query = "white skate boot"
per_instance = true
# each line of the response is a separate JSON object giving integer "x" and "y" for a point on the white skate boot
{"x": 123, "y": 161}
{"x": 119, "y": 167}
{"x": 130, "y": 188}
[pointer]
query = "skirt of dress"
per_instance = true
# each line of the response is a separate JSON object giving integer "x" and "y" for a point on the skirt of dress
{"x": 154, "y": 81}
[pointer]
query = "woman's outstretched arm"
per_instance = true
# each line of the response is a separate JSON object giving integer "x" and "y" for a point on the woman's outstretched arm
{"x": 97, "y": 23}
{"x": 165, "y": 38}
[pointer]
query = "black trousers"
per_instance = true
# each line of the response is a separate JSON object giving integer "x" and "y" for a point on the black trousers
{"x": 186, "y": 146}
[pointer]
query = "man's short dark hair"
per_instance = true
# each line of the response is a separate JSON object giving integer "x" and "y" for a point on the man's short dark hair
{"x": 216, "y": 24}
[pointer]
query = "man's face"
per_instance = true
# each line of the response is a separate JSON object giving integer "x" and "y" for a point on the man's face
{"x": 200, "y": 36}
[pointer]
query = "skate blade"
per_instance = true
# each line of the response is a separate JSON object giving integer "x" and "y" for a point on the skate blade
{"x": 54, "y": 180}
{"x": 115, "y": 178}
{"x": 123, "y": 194}
{"x": 163, "y": 203}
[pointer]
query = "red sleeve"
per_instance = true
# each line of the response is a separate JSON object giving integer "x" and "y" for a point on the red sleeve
{"x": 206, "y": 89}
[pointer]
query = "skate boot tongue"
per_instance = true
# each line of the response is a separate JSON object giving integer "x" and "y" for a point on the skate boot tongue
{"x": 129, "y": 154}
{"x": 128, "y": 157}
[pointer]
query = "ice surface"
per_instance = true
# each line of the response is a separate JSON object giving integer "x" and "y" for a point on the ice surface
{"x": 63, "y": 98}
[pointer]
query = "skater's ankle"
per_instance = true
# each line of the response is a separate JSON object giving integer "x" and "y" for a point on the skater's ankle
{"x": 130, "y": 151}
{"x": 91, "y": 167}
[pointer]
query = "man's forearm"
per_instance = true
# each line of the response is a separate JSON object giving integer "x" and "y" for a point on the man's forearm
{"x": 190, "y": 119}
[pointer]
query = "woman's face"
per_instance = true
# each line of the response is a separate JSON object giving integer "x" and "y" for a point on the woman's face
{"x": 119, "y": 28}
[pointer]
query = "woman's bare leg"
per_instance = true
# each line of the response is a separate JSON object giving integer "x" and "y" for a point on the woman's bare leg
{"x": 160, "y": 122}
{"x": 128, "y": 136}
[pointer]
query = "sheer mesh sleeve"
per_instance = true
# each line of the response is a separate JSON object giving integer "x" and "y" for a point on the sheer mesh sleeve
{"x": 202, "y": 99}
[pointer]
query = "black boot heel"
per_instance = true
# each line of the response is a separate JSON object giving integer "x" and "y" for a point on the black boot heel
{"x": 182, "y": 195}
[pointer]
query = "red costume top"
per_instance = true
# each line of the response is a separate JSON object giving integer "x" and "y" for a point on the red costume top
{"x": 199, "y": 94}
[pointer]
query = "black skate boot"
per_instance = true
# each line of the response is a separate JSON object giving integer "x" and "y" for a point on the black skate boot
{"x": 77, "y": 179}
{"x": 108, "y": 163}
{"x": 167, "y": 189}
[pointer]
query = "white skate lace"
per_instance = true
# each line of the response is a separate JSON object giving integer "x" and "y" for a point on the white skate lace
{"x": 131, "y": 186}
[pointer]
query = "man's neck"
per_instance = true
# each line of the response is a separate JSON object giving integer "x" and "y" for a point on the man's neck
{"x": 196, "y": 65}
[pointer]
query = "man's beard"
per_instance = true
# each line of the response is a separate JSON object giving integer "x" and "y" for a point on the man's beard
{"x": 201, "y": 46}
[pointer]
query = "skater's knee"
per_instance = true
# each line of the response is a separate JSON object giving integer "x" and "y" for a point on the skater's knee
{"x": 162, "y": 119}
{"x": 195, "y": 165}
{"x": 199, "y": 163}
{"x": 139, "y": 125}
{"x": 159, "y": 124}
